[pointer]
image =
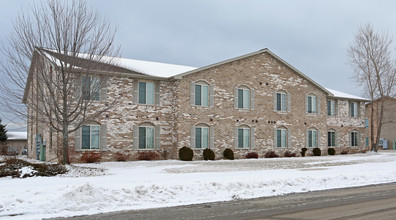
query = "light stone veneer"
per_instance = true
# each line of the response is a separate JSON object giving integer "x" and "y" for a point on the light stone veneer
{"x": 175, "y": 115}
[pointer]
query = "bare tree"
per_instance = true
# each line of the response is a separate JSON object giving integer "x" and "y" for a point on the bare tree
{"x": 53, "y": 50}
{"x": 370, "y": 56}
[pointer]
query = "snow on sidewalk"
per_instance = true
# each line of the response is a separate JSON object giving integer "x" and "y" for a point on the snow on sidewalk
{"x": 117, "y": 186}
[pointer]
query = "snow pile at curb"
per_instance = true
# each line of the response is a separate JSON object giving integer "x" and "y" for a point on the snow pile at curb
{"x": 142, "y": 185}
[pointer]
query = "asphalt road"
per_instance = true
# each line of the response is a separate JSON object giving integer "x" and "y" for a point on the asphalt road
{"x": 368, "y": 202}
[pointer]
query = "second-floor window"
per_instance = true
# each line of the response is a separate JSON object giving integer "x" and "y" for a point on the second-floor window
{"x": 353, "y": 109}
{"x": 90, "y": 87}
{"x": 146, "y": 93}
{"x": 201, "y": 94}
{"x": 331, "y": 107}
{"x": 281, "y": 101}
{"x": 243, "y": 98}
{"x": 311, "y": 104}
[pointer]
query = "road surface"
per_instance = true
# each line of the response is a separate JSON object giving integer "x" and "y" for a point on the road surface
{"x": 368, "y": 202}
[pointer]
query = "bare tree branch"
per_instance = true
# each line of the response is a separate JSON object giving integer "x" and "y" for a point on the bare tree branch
{"x": 49, "y": 53}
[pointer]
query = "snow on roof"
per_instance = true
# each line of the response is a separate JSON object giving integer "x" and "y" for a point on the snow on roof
{"x": 153, "y": 68}
{"x": 156, "y": 69}
{"x": 339, "y": 94}
{"x": 17, "y": 135}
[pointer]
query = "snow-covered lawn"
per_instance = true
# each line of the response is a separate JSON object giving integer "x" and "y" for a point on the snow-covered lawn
{"x": 115, "y": 186}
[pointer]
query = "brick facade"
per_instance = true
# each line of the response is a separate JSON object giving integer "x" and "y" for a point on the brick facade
{"x": 262, "y": 73}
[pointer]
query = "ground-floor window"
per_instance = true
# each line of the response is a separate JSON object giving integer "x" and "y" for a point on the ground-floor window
{"x": 244, "y": 137}
{"x": 312, "y": 138}
{"x": 90, "y": 136}
{"x": 354, "y": 138}
{"x": 146, "y": 137}
{"x": 201, "y": 137}
{"x": 281, "y": 137}
{"x": 331, "y": 137}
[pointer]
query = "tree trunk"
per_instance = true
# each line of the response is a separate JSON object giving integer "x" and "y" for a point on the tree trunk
{"x": 65, "y": 145}
{"x": 379, "y": 123}
{"x": 373, "y": 143}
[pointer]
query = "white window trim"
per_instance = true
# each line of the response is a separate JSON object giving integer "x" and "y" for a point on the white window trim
{"x": 335, "y": 138}
{"x": 90, "y": 87}
{"x": 138, "y": 92}
{"x": 312, "y": 138}
{"x": 208, "y": 143}
{"x": 357, "y": 139}
{"x": 316, "y": 104}
{"x": 282, "y": 101}
{"x": 286, "y": 137}
{"x": 243, "y": 136}
{"x": 200, "y": 83}
{"x": 332, "y": 114}
{"x": 356, "y": 109}
{"x": 244, "y": 88}
{"x": 146, "y": 126}
{"x": 90, "y": 137}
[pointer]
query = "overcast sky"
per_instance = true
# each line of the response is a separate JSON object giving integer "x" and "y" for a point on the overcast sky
{"x": 313, "y": 36}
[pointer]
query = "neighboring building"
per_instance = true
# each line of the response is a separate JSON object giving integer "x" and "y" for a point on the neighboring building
{"x": 16, "y": 142}
{"x": 255, "y": 102}
{"x": 388, "y": 129}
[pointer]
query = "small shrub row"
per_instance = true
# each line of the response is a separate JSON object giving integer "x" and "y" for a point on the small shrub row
{"x": 303, "y": 151}
{"x": 228, "y": 154}
{"x": 91, "y": 157}
{"x": 148, "y": 155}
{"x": 208, "y": 154}
{"x": 270, "y": 154}
{"x": 345, "y": 151}
{"x": 289, "y": 154}
{"x": 252, "y": 155}
{"x": 316, "y": 151}
{"x": 121, "y": 157}
{"x": 331, "y": 151}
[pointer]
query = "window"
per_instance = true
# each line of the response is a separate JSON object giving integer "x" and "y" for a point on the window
{"x": 331, "y": 107}
{"x": 281, "y": 101}
{"x": 353, "y": 108}
{"x": 312, "y": 104}
{"x": 366, "y": 122}
{"x": 146, "y": 137}
{"x": 367, "y": 142}
{"x": 281, "y": 137}
{"x": 243, "y": 137}
{"x": 312, "y": 138}
{"x": 90, "y": 136}
{"x": 90, "y": 87}
{"x": 201, "y": 137}
{"x": 354, "y": 138}
{"x": 243, "y": 98}
{"x": 201, "y": 94}
{"x": 331, "y": 137}
{"x": 146, "y": 93}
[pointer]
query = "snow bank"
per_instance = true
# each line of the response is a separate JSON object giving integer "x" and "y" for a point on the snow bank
{"x": 142, "y": 185}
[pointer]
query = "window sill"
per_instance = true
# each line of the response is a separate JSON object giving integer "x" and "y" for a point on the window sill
{"x": 87, "y": 150}
{"x": 145, "y": 149}
{"x": 200, "y": 106}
